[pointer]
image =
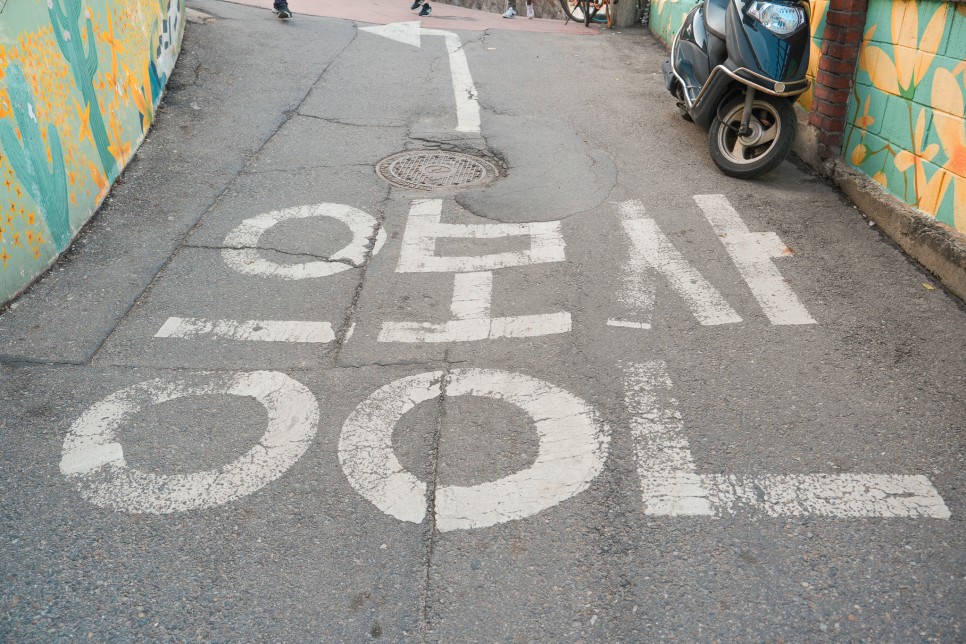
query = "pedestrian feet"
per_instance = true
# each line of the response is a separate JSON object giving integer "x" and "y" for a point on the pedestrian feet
{"x": 426, "y": 9}
{"x": 282, "y": 11}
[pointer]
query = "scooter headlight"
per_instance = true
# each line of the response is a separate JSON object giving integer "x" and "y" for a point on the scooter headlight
{"x": 781, "y": 19}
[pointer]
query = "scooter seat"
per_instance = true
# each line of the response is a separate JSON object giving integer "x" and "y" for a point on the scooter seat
{"x": 715, "y": 12}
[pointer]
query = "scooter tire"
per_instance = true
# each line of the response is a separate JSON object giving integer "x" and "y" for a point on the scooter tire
{"x": 685, "y": 115}
{"x": 772, "y": 158}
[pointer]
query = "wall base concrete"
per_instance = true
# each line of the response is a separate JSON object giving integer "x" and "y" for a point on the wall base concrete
{"x": 939, "y": 248}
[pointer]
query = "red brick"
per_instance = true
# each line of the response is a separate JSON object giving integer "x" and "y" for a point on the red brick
{"x": 838, "y": 67}
{"x": 827, "y": 94}
{"x": 835, "y": 139}
{"x": 834, "y": 80}
{"x": 840, "y": 51}
{"x": 834, "y": 110}
{"x": 850, "y": 20}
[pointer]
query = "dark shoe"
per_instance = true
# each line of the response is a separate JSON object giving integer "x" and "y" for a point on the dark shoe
{"x": 416, "y": 5}
{"x": 282, "y": 10}
{"x": 425, "y": 11}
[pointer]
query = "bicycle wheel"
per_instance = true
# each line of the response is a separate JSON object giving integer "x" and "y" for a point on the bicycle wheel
{"x": 574, "y": 9}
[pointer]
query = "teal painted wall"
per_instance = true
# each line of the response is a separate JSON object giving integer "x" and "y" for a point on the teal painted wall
{"x": 79, "y": 84}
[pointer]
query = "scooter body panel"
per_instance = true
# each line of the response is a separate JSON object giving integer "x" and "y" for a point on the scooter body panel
{"x": 764, "y": 53}
{"x": 704, "y": 70}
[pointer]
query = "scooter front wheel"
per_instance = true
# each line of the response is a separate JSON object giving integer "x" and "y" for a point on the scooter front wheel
{"x": 764, "y": 147}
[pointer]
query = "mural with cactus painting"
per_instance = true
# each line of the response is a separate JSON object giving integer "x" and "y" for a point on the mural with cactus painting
{"x": 79, "y": 84}
{"x": 906, "y": 127}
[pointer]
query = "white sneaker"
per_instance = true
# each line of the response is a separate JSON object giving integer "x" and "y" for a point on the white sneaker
{"x": 511, "y": 12}
{"x": 530, "y": 11}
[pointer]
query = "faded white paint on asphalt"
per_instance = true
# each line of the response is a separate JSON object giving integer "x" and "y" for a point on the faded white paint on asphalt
{"x": 651, "y": 247}
{"x": 94, "y": 461}
{"x": 242, "y": 243}
{"x": 464, "y": 91}
{"x": 671, "y": 486}
{"x": 572, "y": 450}
{"x": 473, "y": 282}
{"x": 753, "y": 254}
{"x": 248, "y": 330}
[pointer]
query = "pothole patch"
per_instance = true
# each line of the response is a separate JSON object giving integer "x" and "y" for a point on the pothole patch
{"x": 436, "y": 170}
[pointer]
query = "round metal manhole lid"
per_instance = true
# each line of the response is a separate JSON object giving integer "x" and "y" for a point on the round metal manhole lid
{"x": 436, "y": 170}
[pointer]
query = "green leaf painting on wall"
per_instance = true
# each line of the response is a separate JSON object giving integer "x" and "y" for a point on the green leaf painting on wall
{"x": 39, "y": 167}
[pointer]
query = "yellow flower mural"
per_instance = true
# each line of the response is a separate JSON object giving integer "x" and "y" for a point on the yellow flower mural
{"x": 907, "y": 128}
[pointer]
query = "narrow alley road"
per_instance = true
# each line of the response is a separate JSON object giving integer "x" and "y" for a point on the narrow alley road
{"x": 439, "y": 332}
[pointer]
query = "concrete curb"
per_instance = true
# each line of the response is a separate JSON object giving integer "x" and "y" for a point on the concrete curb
{"x": 938, "y": 248}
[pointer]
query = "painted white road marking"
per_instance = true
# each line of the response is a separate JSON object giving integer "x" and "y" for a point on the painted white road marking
{"x": 467, "y": 104}
{"x": 671, "y": 486}
{"x": 572, "y": 451}
{"x": 248, "y": 330}
{"x": 651, "y": 248}
{"x": 424, "y": 227}
{"x": 636, "y": 294}
{"x": 828, "y": 495}
{"x": 94, "y": 460}
{"x": 473, "y": 282}
{"x": 669, "y": 482}
{"x": 628, "y": 324}
{"x": 753, "y": 254}
{"x": 472, "y": 293}
{"x": 243, "y": 256}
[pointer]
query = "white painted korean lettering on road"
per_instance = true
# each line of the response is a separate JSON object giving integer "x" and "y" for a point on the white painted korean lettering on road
{"x": 94, "y": 460}
{"x": 671, "y": 486}
{"x": 242, "y": 254}
{"x": 752, "y": 253}
{"x": 572, "y": 450}
{"x": 473, "y": 282}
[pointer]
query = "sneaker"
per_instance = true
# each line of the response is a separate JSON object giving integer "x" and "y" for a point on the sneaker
{"x": 416, "y": 5}
{"x": 530, "y": 11}
{"x": 282, "y": 10}
{"x": 425, "y": 11}
{"x": 510, "y": 13}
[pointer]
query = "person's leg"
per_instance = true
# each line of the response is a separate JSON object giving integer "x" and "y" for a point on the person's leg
{"x": 511, "y": 9}
{"x": 282, "y": 10}
{"x": 529, "y": 8}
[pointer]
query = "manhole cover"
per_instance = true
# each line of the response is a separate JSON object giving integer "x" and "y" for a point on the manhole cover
{"x": 436, "y": 170}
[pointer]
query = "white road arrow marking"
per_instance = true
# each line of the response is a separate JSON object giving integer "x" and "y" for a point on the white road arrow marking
{"x": 409, "y": 33}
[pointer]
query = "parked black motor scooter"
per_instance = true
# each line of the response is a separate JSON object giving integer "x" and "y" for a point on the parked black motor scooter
{"x": 735, "y": 68}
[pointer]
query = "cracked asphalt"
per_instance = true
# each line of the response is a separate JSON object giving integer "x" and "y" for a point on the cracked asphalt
{"x": 383, "y": 502}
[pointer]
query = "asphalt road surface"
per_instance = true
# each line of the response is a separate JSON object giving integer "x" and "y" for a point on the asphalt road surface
{"x": 606, "y": 395}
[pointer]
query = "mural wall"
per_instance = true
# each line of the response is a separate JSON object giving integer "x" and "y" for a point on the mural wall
{"x": 79, "y": 84}
{"x": 906, "y": 126}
